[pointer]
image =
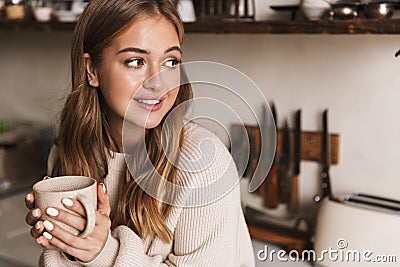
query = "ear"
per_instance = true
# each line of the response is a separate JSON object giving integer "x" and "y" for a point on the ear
{"x": 91, "y": 72}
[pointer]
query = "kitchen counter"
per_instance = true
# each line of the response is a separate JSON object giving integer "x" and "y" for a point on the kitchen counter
{"x": 17, "y": 248}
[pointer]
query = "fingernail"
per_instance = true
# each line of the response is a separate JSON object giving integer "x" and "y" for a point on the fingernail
{"x": 48, "y": 225}
{"x": 47, "y": 235}
{"x": 35, "y": 213}
{"x": 46, "y": 177}
{"x": 67, "y": 202}
{"x": 103, "y": 186}
{"x": 38, "y": 241}
{"x": 37, "y": 225}
{"x": 52, "y": 211}
{"x": 28, "y": 197}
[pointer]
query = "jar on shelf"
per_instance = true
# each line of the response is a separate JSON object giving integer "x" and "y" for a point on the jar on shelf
{"x": 15, "y": 9}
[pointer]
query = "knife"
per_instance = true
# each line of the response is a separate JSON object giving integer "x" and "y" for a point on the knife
{"x": 294, "y": 183}
{"x": 325, "y": 160}
{"x": 284, "y": 164}
{"x": 265, "y": 145}
{"x": 270, "y": 196}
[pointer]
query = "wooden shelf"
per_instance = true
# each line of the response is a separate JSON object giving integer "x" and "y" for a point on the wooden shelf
{"x": 27, "y": 25}
{"x": 358, "y": 26}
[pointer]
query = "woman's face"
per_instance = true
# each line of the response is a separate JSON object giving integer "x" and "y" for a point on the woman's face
{"x": 129, "y": 75}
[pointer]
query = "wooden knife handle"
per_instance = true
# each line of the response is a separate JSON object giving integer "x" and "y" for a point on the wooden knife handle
{"x": 294, "y": 195}
{"x": 271, "y": 189}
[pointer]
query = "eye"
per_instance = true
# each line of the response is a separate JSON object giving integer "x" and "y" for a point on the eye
{"x": 135, "y": 62}
{"x": 171, "y": 63}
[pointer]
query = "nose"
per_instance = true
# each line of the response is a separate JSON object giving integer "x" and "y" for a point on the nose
{"x": 154, "y": 80}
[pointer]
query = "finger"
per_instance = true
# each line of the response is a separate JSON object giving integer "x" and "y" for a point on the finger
{"x": 74, "y": 205}
{"x": 103, "y": 200}
{"x": 30, "y": 201}
{"x": 103, "y": 220}
{"x": 66, "y": 217}
{"x": 44, "y": 242}
{"x": 57, "y": 244}
{"x": 32, "y": 216}
{"x": 63, "y": 239}
{"x": 37, "y": 229}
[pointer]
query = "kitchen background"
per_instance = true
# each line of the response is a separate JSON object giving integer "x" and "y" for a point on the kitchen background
{"x": 355, "y": 76}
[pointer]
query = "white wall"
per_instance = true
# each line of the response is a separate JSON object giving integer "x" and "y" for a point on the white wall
{"x": 355, "y": 76}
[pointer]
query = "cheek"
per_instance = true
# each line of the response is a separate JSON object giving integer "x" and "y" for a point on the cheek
{"x": 119, "y": 87}
{"x": 172, "y": 94}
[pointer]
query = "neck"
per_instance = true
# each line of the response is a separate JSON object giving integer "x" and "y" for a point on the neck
{"x": 128, "y": 136}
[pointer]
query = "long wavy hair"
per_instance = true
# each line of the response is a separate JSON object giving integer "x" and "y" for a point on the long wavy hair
{"x": 84, "y": 136}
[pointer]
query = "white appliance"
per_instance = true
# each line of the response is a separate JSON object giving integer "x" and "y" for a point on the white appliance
{"x": 359, "y": 230}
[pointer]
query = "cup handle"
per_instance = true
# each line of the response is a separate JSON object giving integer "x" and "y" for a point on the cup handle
{"x": 90, "y": 215}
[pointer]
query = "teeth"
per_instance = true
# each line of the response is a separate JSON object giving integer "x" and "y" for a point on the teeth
{"x": 149, "y": 102}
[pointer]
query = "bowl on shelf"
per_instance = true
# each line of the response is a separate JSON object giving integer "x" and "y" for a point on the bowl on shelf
{"x": 66, "y": 16}
{"x": 43, "y": 14}
{"x": 314, "y": 9}
{"x": 345, "y": 10}
{"x": 378, "y": 10}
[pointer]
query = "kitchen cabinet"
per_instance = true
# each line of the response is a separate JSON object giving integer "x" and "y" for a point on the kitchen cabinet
{"x": 357, "y": 26}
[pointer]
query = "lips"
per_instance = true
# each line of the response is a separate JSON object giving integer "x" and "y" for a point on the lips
{"x": 149, "y": 104}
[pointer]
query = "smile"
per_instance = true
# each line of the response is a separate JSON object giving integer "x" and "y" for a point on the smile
{"x": 149, "y": 104}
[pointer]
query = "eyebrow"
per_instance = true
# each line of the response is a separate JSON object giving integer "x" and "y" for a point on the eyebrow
{"x": 142, "y": 51}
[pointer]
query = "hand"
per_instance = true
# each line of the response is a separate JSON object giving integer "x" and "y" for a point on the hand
{"x": 33, "y": 216}
{"x": 84, "y": 249}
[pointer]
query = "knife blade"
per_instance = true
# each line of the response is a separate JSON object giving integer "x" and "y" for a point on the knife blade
{"x": 284, "y": 164}
{"x": 264, "y": 160}
{"x": 294, "y": 183}
{"x": 270, "y": 196}
{"x": 325, "y": 159}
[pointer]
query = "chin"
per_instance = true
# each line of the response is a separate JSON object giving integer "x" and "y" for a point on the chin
{"x": 152, "y": 123}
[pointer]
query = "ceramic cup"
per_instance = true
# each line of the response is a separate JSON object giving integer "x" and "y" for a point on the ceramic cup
{"x": 50, "y": 192}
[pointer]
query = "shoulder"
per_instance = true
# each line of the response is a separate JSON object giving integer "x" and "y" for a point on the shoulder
{"x": 202, "y": 148}
{"x": 205, "y": 166}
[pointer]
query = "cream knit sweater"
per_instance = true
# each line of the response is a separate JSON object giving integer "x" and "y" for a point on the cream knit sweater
{"x": 208, "y": 229}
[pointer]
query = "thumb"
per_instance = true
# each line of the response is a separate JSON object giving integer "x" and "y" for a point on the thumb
{"x": 103, "y": 200}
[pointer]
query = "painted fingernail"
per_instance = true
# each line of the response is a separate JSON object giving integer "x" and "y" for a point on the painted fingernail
{"x": 28, "y": 197}
{"x": 37, "y": 225}
{"x": 46, "y": 177}
{"x": 47, "y": 235}
{"x": 35, "y": 213}
{"x": 48, "y": 225}
{"x": 38, "y": 241}
{"x": 67, "y": 202}
{"x": 103, "y": 186}
{"x": 52, "y": 211}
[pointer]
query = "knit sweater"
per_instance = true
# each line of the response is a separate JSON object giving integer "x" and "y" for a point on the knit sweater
{"x": 208, "y": 228}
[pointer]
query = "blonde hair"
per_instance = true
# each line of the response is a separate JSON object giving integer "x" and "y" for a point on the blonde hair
{"x": 84, "y": 136}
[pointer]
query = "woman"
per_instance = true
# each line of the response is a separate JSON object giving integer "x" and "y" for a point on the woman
{"x": 120, "y": 50}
